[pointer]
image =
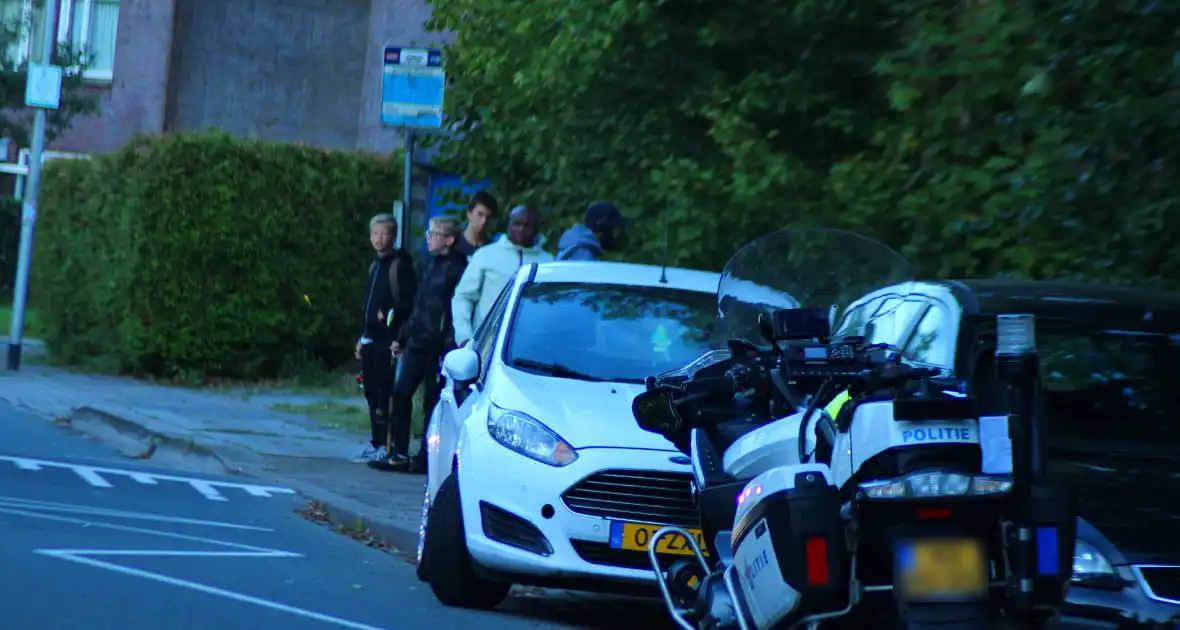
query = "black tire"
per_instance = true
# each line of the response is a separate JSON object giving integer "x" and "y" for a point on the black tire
{"x": 448, "y": 567}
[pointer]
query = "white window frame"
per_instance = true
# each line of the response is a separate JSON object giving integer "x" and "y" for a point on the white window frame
{"x": 64, "y": 23}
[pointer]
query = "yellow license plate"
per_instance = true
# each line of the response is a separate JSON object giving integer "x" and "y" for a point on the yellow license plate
{"x": 941, "y": 568}
{"x": 638, "y": 536}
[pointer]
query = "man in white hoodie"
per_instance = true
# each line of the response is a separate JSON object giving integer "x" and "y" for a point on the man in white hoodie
{"x": 490, "y": 268}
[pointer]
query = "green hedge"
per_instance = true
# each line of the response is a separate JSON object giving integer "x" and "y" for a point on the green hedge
{"x": 190, "y": 255}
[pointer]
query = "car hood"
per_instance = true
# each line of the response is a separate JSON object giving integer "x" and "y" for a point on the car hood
{"x": 1133, "y": 502}
{"x": 585, "y": 414}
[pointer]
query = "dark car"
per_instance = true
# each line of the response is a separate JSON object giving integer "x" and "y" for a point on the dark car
{"x": 1110, "y": 365}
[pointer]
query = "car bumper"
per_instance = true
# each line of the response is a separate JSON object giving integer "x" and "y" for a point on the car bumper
{"x": 509, "y": 501}
{"x": 1131, "y": 608}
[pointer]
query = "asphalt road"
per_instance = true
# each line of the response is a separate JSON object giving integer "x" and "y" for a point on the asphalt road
{"x": 90, "y": 539}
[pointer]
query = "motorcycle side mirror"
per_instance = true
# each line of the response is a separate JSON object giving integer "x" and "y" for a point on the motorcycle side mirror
{"x": 791, "y": 324}
{"x": 654, "y": 413}
{"x": 870, "y": 328}
{"x": 766, "y": 326}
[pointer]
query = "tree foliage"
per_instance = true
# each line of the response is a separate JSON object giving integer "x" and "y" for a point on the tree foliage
{"x": 979, "y": 137}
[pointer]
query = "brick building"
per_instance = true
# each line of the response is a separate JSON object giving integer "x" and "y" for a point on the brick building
{"x": 282, "y": 70}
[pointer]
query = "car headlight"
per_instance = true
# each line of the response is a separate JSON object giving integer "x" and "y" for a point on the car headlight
{"x": 1092, "y": 569}
{"x": 527, "y": 436}
{"x": 924, "y": 485}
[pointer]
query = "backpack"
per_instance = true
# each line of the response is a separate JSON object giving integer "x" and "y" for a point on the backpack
{"x": 402, "y": 258}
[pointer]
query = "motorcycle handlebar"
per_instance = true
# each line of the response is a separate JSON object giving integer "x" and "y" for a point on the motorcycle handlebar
{"x": 866, "y": 368}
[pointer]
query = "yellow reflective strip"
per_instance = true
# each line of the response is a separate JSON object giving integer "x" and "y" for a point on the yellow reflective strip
{"x": 833, "y": 408}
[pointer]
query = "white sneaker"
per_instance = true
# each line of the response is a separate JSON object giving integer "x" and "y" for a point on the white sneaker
{"x": 378, "y": 454}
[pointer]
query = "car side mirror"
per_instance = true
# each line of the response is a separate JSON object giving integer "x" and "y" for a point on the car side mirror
{"x": 461, "y": 365}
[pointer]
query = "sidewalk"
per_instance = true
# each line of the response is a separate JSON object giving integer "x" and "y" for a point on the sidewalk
{"x": 230, "y": 432}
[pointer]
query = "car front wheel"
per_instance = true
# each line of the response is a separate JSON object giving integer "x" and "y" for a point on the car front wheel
{"x": 448, "y": 566}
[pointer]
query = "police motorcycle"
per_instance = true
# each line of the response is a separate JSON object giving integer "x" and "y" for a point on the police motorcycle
{"x": 837, "y": 485}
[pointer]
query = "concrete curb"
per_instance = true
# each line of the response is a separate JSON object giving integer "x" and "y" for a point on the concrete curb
{"x": 153, "y": 438}
{"x": 162, "y": 447}
{"x": 347, "y": 513}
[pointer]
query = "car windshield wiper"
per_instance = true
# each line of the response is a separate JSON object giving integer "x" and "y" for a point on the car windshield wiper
{"x": 555, "y": 369}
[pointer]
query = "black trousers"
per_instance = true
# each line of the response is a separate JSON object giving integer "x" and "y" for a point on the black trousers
{"x": 416, "y": 366}
{"x": 378, "y": 370}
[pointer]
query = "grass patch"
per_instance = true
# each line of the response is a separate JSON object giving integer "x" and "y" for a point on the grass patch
{"x": 32, "y": 324}
{"x": 352, "y": 418}
{"x": 310, "y": 379}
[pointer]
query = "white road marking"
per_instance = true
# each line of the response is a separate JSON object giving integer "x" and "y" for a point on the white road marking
{"x": 94, "y": 475}
{"x": 90, "y": 476}
{"x": 32, "y": 513}
{"x": 210, "y": 590}
{"x": 208, "y": 491}
{"x": 49, "y": 506}
{"x": 90, "y": 557}
{"x": 26, "y": 464}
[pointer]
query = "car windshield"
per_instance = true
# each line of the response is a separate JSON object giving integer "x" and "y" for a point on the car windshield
{"x": 1111, "y": 391}
{"x": 608, "y": 332}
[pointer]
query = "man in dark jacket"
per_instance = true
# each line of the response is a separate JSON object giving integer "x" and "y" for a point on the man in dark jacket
{"x": 389, "y": 296}
{"x": 427, "y": 336}
{"x": 600, "y": 230}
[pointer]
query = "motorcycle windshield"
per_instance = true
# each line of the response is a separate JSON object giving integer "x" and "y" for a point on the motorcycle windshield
{"x": 809, "y": 268}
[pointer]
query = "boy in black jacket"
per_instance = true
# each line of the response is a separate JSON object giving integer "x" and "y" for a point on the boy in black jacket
{"x": 389, "y": 298}
{"x": 427, "y": 336}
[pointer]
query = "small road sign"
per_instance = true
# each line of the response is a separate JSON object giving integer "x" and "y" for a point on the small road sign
{"x": 413, "y": 84}
{"x": 43, "y": 86}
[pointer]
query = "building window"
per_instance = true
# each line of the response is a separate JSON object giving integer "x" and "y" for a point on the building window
{"x": 89, "y": 26}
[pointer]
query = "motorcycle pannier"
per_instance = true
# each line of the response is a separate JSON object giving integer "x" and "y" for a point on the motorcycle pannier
{"x": 792, "y": 537}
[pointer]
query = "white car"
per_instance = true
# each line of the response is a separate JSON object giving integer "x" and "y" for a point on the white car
{"x": 538, "y": 473}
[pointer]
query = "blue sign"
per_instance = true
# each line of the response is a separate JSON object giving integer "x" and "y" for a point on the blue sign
{"x": 412, "y": 85}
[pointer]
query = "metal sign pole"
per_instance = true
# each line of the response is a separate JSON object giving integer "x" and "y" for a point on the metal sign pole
{"x": 407, "y": 183}
{"x": 412, "y": 89}
{"x": 42, "y": 92}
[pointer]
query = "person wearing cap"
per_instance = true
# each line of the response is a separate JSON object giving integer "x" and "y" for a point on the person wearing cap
{"x": 492, "y": 266}
{"x": 601, "y": 230}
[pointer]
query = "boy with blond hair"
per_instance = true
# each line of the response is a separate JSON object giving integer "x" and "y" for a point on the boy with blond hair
{"x": 426, "y": 337}
{"x": 389, "y": 299}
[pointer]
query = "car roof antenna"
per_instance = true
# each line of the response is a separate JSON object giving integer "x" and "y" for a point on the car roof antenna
{"x": 664, "y": 270}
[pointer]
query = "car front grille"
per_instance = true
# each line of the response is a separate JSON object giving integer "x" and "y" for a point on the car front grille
{"x": 640, "y": 496}
{"x": 1163, "y": 582}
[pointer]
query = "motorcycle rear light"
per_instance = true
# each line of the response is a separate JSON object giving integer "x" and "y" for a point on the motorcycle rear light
{"x": 935, "y": 514}
{"x": 935, "y": 484}
{"x": 816, "y": 553}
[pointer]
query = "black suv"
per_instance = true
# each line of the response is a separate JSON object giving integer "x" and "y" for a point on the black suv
{"x": 1110, "y": 361}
